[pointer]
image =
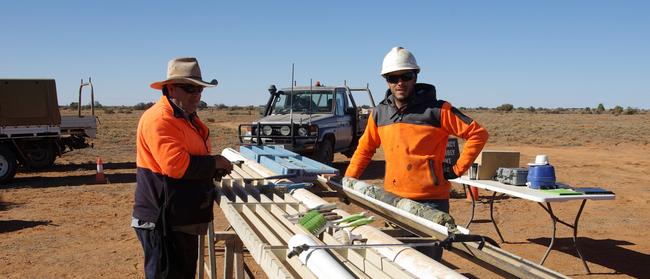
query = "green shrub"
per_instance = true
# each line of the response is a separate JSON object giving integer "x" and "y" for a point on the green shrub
{"x": 143, "y": 106}
{"x": 505, "y": 107}
{"x": 630, "y": 111}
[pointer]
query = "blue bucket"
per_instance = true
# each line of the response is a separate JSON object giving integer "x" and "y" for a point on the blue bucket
{"x": 541, "y": 177}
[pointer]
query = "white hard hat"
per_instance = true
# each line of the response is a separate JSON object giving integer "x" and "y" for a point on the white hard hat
{"x": 397, "y": 59}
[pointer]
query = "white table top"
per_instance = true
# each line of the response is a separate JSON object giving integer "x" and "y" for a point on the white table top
{"x": 527, "y": 193}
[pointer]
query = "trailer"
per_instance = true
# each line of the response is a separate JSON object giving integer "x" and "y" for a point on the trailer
{"x": 32, "y": 131}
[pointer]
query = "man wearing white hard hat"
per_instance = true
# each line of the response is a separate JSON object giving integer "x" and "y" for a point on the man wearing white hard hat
{"x": 413, "y": 126}
{"x": 174, "y": 193}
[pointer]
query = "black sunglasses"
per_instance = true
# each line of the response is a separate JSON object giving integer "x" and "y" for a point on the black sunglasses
{"x": 192, "y": 89}
{"x": 408, "y": 76}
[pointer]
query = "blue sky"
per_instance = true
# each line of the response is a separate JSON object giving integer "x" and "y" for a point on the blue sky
{"x": 478, "y": 53}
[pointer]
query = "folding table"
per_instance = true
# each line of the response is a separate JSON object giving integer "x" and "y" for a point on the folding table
{"x": 542, "y": 198}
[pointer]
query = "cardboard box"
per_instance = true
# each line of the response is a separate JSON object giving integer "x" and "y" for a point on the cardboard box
{"x": 490, "y": 160}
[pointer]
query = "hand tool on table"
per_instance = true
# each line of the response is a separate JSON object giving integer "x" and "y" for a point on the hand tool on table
{"x": 280, "y": 176}
{"x": 316, "y": 222}
{"x": 445, "y": 243}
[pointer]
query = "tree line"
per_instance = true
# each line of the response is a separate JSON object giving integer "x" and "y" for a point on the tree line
{"x": 599, "y": 109}
{"x": 506, "y": 108}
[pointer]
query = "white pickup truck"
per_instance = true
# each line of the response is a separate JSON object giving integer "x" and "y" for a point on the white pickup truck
{"x": 32, "y": 131}
{"x": 311, "y": 120}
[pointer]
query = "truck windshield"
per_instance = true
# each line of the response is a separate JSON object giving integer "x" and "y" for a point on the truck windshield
{"x": 318, "y": 101}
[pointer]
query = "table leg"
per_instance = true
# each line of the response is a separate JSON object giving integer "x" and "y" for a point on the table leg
{"x": 492, "y": 216}
{"x": 574, "y": 226}
{"x": 554, "y": 221}
{"x": 575, "y": 236}
{"x": 200, "y": 265}
{"x": 471, "y": 195}
{"x": 211, "y": 251}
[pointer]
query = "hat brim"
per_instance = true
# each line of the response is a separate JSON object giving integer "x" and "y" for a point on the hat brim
{"x": 160, "y": 84}
{"x": 416, "y": 70}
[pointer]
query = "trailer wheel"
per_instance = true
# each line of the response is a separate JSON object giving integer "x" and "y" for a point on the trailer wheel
{"x": 325, "y": 152}
{"x": 39, "y": 155}
{"x": 7, "y": 164}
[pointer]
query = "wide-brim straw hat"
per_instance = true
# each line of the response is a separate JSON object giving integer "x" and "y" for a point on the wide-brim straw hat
{"x": 184, "y": 70}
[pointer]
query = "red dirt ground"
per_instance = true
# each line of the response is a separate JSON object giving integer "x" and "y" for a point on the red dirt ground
{"x": 59, "y": 224}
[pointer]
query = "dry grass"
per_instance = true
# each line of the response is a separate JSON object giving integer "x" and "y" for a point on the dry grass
{"x": 116, "y": 131}
{"x": 564, "y": 129}
{"x": 520, "y": 128}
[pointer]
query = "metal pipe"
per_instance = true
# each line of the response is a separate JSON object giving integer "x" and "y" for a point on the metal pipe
{"x": 92, "y": 97}
{"x": 490, "y": 255}
{"x": 408, "y": 258}
{"x": 311, "y": 97}
{"x": 293, "y": 139}
{"x": 319, "y": 261}
{"x": 79, "y": 101}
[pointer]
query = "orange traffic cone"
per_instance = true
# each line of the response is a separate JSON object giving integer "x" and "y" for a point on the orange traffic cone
{"x": 100, "y": 178}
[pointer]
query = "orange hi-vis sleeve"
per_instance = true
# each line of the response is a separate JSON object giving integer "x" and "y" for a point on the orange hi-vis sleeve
{"x": 368, "y": 144}
{"x": 474, "y": 135}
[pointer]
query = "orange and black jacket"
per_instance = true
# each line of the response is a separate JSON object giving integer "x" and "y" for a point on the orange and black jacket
{"x": 414, "y": 139}
{"x": 174, "y": 167}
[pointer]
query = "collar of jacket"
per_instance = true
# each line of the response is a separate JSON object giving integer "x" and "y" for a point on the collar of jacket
{"x": 179, "y": 112}
{"x": 423, "y": 92}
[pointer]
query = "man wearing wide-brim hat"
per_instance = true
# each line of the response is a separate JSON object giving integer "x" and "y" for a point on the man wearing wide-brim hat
{"x": 174, "y": 191}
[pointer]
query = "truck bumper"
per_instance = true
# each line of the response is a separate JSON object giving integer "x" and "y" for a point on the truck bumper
{"x": 301, "y": 146}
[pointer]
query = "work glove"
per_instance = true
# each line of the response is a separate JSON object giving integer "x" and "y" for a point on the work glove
{"x": 448, "y": 171}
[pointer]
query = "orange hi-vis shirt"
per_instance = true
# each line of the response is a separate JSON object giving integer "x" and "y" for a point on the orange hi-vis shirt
{"x": 165, "y": 141}
{"x": 414, "y": 139}
{"x": 174, "y": 167}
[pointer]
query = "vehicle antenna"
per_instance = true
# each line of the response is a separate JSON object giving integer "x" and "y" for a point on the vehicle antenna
{"x": 311, "y": 98}
{"x": 291, "y": 96}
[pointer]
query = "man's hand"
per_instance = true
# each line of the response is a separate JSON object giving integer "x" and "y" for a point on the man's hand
{"x": 448, "y": 171}
{"x": 223, "y": 166}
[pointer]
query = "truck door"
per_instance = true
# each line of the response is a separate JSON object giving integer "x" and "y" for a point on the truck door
{"x": 344, "y": 121}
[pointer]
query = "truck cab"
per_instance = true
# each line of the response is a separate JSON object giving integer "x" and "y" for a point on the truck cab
{"x": 316, "y": 121}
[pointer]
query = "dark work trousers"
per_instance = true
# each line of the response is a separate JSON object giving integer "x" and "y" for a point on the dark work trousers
{"x": 173, "y": 257}
{"x": 432, "y": 251}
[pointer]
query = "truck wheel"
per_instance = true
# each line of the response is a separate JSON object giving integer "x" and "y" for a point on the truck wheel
{"x": 325, "y": 152}
{"x": 40, "y": 156}
{"x": 7, "y": 164}
{"x": 348, "y": 153}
